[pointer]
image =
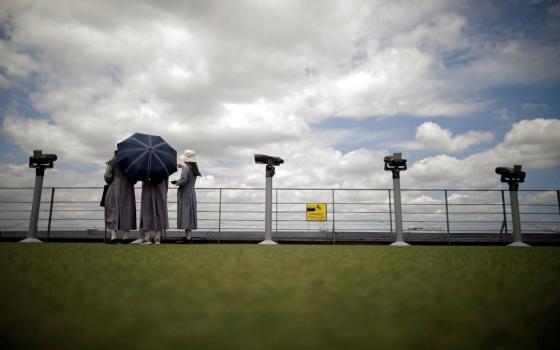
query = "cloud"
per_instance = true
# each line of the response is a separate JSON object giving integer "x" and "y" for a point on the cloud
{"x": 14, "y": 63}
{"x": 431, "y": 136}
{"x": 230, "y": 80}
{"x": 531, "y": 143}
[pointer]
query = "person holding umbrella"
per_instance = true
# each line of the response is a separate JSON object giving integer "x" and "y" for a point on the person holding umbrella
{"x": 186, "y": 195}
{"x": 120, "y": 201}
{"x": 148, "y": 158}
{"x": 153, "y": 214}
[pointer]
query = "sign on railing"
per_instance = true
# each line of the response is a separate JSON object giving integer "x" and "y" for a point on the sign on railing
{"x": 316, "y": 212}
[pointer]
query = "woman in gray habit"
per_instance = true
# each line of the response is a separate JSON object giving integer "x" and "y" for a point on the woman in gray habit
{"x": 120, "y": 201}
{"x": 186, "y": 195}
{"x": 153, "y": 210}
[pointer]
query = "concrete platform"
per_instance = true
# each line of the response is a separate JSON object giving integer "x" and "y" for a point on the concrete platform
{"x": 310, "y": 237}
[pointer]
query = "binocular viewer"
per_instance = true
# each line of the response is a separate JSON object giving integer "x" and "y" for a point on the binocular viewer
{"x": 395, "y": 162}
{"x": 40, "y": 160}
{"x": 511, "y": 175}
{"x": 268, "y": 160}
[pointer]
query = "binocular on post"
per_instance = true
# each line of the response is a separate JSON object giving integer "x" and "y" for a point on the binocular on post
{"x": 395, "y": 164}
{"x": 41, "y": 161}
{"x": 512, "y": 176}
{"x": 270, "y": 163}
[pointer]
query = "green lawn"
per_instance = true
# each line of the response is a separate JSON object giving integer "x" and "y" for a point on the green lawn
{"x": 96, "y": 296}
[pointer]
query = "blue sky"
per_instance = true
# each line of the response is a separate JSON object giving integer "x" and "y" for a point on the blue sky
{"x": 458, "y": 87}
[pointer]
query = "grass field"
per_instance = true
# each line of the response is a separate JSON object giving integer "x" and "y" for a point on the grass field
{"x": 95, "y": 296}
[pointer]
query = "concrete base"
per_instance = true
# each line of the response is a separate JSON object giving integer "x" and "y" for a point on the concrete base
{"x": 400, "y": 244}
{"x": 31, "y": 240}
{"x": 518, "y": 244}
{"x": 268, "y": 242}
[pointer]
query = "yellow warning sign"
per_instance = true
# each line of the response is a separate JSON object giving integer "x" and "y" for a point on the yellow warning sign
{"x": 316, "y": 212}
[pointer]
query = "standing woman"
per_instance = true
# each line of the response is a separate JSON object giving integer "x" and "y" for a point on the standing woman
{"x": 120, "y": 201}
{"x": 186, "y": 195}
{"x": 154, "y": 210}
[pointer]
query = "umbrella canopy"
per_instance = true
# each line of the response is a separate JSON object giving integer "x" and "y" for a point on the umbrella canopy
{"x": 146, "y": 157}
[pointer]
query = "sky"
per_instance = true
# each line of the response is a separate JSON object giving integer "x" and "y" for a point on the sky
{"x": 458, "y": 87}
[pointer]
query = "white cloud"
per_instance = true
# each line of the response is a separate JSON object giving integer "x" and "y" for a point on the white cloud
{"x": 15, "y": 63}
{"x": 431, "y": 136}
{"x": 233, "y": 79}
{"x": 531, "y": 143}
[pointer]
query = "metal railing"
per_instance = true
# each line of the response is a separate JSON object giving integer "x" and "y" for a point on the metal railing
{"x": 351, "y": 212}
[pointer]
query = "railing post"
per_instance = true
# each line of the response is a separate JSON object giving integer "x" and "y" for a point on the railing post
{"x": 390, "y": 213}
{"x": 333, "y": 219}
{"x": 447, "y": 218}
{"x": 50, "y": 215}
{"x": 504, "y": 225}
{"x": 220, "y": 217}
{"x": 558, "y": 200}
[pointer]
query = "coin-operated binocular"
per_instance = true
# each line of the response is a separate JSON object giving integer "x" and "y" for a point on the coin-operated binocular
{"x": 39, "y": 162}
{"x": 513, "y": 177}
{"x": 396, "y": 164}
{"x": 270, "y": 162}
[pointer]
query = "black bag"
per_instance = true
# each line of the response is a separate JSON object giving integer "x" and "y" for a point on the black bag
{"x": 105, "y": 188}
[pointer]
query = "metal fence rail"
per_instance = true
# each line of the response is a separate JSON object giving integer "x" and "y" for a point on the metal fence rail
{"x": 351, "y": 212}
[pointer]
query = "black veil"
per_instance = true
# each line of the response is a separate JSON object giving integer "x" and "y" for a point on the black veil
{"x": 194, "y": 168}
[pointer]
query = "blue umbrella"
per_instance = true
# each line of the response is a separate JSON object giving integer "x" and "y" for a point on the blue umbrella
{"x": 146, "y": 157}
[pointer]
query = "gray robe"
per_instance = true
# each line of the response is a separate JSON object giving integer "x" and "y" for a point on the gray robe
{"x": 153, "y": 216}
{"x": 120, "y": 201}
{"x": 186, "y": 201}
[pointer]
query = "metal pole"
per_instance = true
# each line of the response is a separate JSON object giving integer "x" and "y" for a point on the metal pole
{"x": 517, "y": 237}
{"x": 276, "y": 211}
{"x": 268, "y": 207}
{"x": 390, "y": 213}
{"x": 33, "y": 220}
{"x": 504, "y": 211}
{"x": 333, "y": 239}
{"x": 399, "y": 241}
{"x": 447, "y": 218}
{"x": 558, "y": 199}
{"x": 50, "y": 214}
{"x": 268, "y": 210}
{"x": 220, "y": 217}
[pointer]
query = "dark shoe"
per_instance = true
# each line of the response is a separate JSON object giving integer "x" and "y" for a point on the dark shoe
{"x": 125, "y": 241}
{"x": 112, "y": 241}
